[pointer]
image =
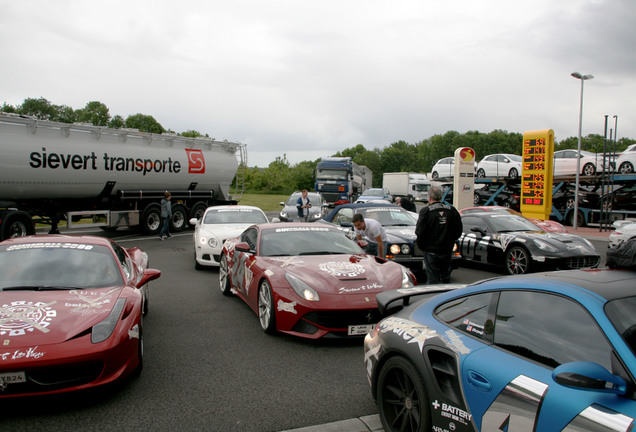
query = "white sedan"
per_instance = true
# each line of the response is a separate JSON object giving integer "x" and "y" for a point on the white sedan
{"x": 500, "y": 165}
{"x": 626, "y": 161}
{"x": 565, "y": 163}
{"x": 217, "y": 224}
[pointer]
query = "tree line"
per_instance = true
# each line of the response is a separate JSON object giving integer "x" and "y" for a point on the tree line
{"x": 280, "y": 176}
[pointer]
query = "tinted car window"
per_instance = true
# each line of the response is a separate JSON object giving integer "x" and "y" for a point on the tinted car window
{"x": 468, "y": 314}
{"x": 549, "y": 329}
{"x": 249, "y": 236}
{"x": 622, "y": 313}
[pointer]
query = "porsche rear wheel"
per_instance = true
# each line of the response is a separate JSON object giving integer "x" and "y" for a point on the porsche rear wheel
{"x": 266, "y": 307}
{"x": 517, "y": 260}
{"x": 224, "y": 276}
{"x": 402, "y": 399}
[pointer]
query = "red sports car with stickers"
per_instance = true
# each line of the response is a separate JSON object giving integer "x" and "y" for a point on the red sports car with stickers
{"x": 308, "y": 279}
{"x": 70, "y": 313}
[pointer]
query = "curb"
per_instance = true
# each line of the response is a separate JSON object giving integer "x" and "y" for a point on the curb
{"x": 370, "y": 423}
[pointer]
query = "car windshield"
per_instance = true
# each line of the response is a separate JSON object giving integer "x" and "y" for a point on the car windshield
{"x": 314, "y": 198}
{"x": 331, "y": 174}
{"x": 72, "y": 265}
{"x": 234, "y": 216}
{"x": 515, "y": 158}
{"x": 389, "y": 216}
{"x": 622, "y": 314}
{"x": 306, "y": 241}
{"x": 373, "y": 192}
{"x": 510, "y": 223}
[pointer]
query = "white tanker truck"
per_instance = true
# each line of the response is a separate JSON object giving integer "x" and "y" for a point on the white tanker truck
{"x": 53, "y": 171}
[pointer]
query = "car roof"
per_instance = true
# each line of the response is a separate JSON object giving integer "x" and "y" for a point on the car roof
{"x": 366, "y": 204}
{"x": 58, "y": 238}
{"x": 606, "y": 283}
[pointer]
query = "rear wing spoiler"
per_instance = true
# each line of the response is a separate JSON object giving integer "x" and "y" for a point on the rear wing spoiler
{"x": 386, "y": 299}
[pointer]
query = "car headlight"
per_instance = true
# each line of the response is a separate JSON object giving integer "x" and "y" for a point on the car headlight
{"x": 301, "y": 288}
{"x": 544, "y": 246}
{"x": 212, "y": 241}
{"x": 103, "y": 329}
{"x": 407, "y": 282}
{"x": 397, "y": 249}
{"x": 283, "y": 215}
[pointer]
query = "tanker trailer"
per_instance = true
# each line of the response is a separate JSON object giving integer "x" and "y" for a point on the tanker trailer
{"x": 115, "y": 177}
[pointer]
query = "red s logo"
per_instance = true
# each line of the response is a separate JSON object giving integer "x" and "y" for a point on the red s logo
{"x": 196, "y": 161}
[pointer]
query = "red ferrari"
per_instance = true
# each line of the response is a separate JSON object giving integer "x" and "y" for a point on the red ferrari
{"x": 70, "y": 313}
{"x": 308, "y": 279}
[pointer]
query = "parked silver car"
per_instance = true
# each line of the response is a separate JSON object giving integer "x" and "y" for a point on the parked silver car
{"x": 317, "y": 211}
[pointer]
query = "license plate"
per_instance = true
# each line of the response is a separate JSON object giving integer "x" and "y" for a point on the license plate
{"x": 12, "y": 377}
{"x": 358, "y": 330}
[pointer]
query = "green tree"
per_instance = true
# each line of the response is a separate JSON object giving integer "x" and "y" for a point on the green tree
{"x": 145, "y": 123}
{"x": 65, "y": 114}
{"x": 95, "y": 113}
{"x": 39, "y": 108}
{"x": 193, "y": 134}
{"x": 117, "y": 122}
{"x": 7, "y": 108}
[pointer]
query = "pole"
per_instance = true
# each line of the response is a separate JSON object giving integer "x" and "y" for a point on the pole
{"x": 575, "y": 224}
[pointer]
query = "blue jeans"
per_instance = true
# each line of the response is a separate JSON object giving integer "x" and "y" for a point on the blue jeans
{"x": 165, "y": 227}
{"x": 438, "y": 268}
{"x": 372, "y": 248}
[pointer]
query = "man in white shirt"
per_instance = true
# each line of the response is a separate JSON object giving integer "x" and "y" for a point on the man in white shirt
{"x": 373, "y": 231}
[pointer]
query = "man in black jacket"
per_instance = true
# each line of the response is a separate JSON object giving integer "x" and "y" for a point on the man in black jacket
{"x": 438, "y": 226}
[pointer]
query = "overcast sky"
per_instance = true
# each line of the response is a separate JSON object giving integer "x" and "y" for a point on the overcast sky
{"x": 307, "y": 79}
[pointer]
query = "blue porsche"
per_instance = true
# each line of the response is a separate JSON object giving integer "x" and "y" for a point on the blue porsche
{"x": 551, "y": 351}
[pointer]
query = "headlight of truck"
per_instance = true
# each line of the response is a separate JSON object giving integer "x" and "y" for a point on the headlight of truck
{"x": 103, "y": 329}
{"x": 301, "y": 288}
{"x": 407, "y": 282}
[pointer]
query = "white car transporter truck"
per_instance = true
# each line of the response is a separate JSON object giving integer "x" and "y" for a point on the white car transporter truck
{"x": 52, "y": 172}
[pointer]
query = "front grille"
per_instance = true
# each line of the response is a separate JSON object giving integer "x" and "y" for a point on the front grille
{"x": 55, "y": 378}
{"x": 331, "y": 197}
{"x": 343, "y": 319}
{"x": 582, "y": 262}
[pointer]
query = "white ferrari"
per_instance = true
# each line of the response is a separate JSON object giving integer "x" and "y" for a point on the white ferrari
{"x": 217, "y": 224}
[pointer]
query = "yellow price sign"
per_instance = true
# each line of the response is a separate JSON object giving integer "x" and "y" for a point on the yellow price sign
{"x": 536, "y": 176}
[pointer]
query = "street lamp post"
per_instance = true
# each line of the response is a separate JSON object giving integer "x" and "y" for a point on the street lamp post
{"x": 578, "y": 159}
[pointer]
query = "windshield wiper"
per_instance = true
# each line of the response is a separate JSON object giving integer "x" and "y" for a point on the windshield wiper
{"x": 40, "y": 288}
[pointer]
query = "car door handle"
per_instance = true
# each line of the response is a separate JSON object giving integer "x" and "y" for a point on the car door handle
{"x": 478, "y": 381}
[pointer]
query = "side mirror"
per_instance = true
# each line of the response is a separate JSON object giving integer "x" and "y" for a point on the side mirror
{"x": 193, "y": 221}
{"x": 478, "y": 230}
{"x": 591, "y": 376}
{"x": 243, "y": 247}
{"x": 281, "y": 203}
{"x": 149, "y": 274}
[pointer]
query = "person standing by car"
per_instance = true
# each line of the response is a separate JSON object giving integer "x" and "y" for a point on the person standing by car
{"x": 303, "y": 205}
{"x": 406, "y": 204}
{"x": 373, "y": 231}
{"x": 166, "y": 215}
{"x": 438, "y": 226}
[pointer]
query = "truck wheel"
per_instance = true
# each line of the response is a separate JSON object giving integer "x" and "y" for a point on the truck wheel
{"x": 197, "y": 211}
{"x": 151, "y": 220}
{"x": 179, "y": 218}
{"x": 16, "y": 224}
